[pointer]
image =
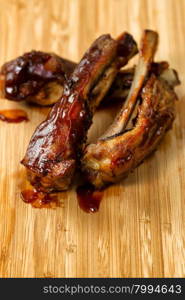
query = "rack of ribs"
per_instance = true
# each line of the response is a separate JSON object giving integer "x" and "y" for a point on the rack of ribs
{"x": 55, "y": 147}
{"x": 146, "y": 115}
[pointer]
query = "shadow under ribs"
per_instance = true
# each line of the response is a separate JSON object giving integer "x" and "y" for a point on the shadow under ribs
{"x": 151, "y": 98}
{"x": 54, "y": 149}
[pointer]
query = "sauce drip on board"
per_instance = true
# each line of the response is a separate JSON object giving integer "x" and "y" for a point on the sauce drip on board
{"x": 89, "y": 198}
{"x": 39, "y": 199}
{"x": 13, "y": 115}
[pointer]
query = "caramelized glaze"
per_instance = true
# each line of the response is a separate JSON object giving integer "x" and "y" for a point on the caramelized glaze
{"x": 27, "y": 74}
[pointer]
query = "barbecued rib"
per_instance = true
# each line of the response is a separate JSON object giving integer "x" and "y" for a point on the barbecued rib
{"x": 39, "y": 77}
{"x": 35, "y": 77}
{"x": 120, "y": 150}
{"x": 52, "y": 154}
{"x": 26, "y": 78}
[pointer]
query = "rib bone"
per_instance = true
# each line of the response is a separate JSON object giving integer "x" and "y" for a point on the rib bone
{"x": 148, "y": 48}
{"x": 120, "y": 150}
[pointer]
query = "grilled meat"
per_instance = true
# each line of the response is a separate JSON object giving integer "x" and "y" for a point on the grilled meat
{"x": 152, "y": 98}
{"x": 35, "y": 77}
{"x": 26, "y": 78}
{"x": 52, "y": 155}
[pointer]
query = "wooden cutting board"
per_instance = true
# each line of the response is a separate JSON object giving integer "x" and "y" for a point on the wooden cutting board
{"x": 139, "y": 230}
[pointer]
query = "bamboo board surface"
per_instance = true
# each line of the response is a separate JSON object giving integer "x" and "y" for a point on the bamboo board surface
{"x": 139, "y": 230}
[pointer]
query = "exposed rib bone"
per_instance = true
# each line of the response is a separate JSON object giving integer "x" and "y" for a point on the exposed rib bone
{"x": 112, "y": 157}
{"x": 148, "y": 47}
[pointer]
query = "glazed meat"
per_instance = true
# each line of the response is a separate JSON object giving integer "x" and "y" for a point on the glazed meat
{"x": 150, "y": 107}
{"x": 52, "y": 155}
{"x": 39, "y": 77}
{"x": 35, "y": 77}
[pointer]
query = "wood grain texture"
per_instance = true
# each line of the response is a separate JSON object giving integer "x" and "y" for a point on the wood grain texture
{"x": 139, "y": 230}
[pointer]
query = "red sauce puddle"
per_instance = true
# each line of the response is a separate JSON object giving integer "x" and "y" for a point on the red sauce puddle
{"x": 13, "y": 115}
{"x": 89, "y": 198}
{"x": 39, "y": 199}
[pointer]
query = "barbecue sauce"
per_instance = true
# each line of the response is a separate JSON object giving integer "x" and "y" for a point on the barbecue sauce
{"x": 39, "y": 199}
{"x": 13, "y": 115}
{"x": 89, "y": 199}
{"x": 26, "y": 75}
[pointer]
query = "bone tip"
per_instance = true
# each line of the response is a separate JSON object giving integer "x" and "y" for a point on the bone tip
{"x": 151, "y": 36}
